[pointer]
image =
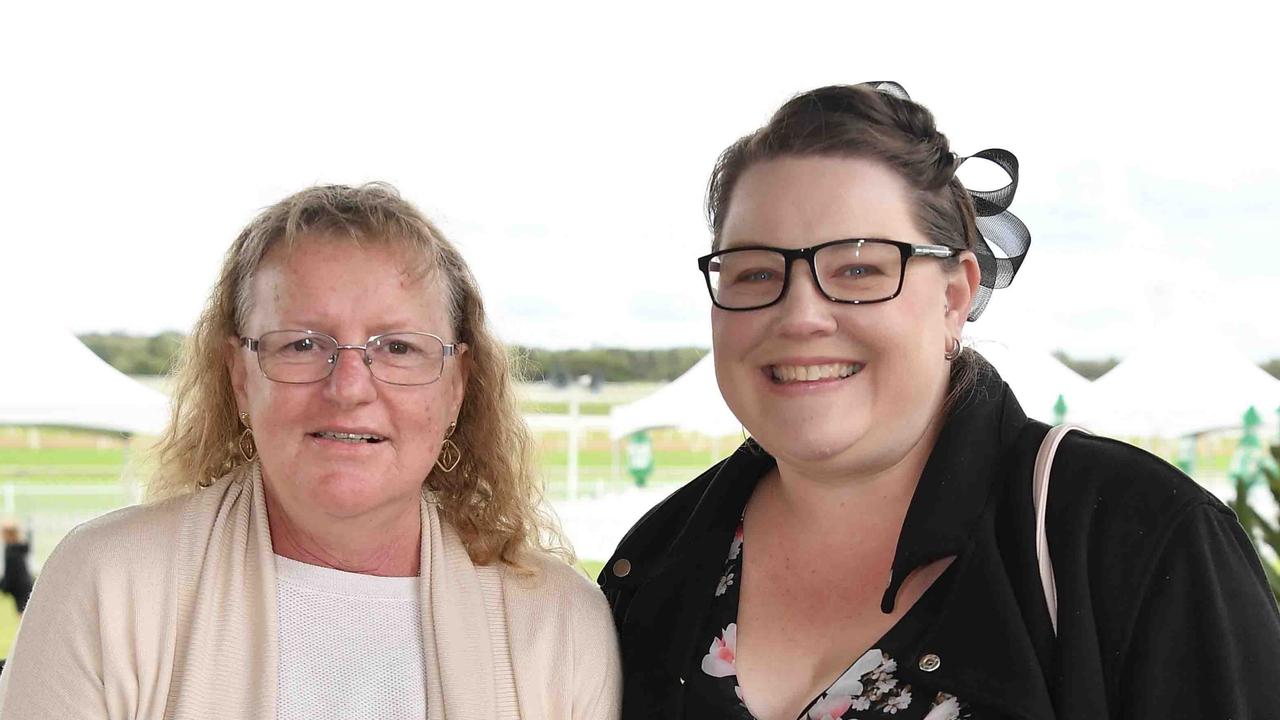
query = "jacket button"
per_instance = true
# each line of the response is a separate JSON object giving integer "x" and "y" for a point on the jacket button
{"x": 622, "y": 568}
{"x": 930, "y": 662}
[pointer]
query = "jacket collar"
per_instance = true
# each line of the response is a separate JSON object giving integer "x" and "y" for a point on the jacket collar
{"x": 957, "y": 479}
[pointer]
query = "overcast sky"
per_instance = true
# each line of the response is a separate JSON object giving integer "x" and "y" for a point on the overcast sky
{"x": 565, "y": 148}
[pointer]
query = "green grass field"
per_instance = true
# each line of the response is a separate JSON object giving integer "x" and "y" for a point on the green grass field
{"x": 554, "y": 407}
{"x": 8, "y": 624}
{"x": 61, "y": 456}
{"x": 592, "y": 567}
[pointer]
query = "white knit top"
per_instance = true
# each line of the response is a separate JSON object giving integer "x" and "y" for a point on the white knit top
{"x": 350, "y": 645}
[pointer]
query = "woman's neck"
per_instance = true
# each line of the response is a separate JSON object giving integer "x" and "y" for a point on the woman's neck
{"x": 387, "y": 545}
{"x": 822, "y": 493}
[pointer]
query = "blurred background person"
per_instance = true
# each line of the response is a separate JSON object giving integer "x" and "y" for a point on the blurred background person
{"x": 345, "y": 520}
{"x": 17, "y": 580}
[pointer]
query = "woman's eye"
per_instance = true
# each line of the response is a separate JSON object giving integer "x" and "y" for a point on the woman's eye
{"x": 856, "y": 271}
{"x": 755, "y": 276}
{"x": 303, "y": 345}
{"x": 400, "y": 348}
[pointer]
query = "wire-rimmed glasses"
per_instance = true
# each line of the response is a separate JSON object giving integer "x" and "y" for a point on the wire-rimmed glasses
{"x": 856, "y": 271}
{"x": 298, "y": 357}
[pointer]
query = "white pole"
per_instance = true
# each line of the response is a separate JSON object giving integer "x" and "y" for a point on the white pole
{"x": 615, "y": 459}
{"x": 130, "y": 487}
{"x": 573, "y": 441}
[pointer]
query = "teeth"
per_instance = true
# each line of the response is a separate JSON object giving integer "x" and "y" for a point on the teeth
{"x": 349, "y": 437}
{"x": 809, "y": 373}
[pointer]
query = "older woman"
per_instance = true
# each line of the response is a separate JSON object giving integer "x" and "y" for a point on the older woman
{"x": 872, "y": 552}
{"x": 348, "y": 520}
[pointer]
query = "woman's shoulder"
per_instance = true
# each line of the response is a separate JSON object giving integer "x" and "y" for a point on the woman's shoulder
{"x": 548, "y": 583}
{"x": 139, "y": 537}
{"x": 555, "y": 611}
{"x": 133, "y": 543}
{"x": 1132, "y": 508}
{"x": 1123, "y": 481}
{"x": 563, "y": 643}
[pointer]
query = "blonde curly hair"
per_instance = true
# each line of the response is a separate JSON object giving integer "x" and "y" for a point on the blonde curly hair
{"x": 493, "y": 498}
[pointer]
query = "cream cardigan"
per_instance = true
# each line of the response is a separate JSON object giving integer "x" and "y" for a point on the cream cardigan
{"x": 168, "y": 611}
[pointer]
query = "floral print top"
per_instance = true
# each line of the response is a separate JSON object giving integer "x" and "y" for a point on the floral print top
{"x": 869, "y": 688}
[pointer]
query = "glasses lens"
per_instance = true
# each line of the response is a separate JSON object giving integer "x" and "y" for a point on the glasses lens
{"x": 860, "y": 270}
{"x": 407, "y": 358}
{"x": 746, "y": 278}
{"x": 295, "y": 356}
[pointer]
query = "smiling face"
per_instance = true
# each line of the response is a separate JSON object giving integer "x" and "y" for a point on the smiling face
{"x": 350, "y": 293}
{"x": 828, "y": 387}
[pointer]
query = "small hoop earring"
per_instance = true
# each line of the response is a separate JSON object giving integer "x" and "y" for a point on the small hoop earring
{"x": 450, "y": 454}
{"x": 955, "y": 350}
{"x": 248, "y": 449}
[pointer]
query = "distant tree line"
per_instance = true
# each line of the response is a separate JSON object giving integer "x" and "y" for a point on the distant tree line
{"x": 606, "y": 364}
{"x": 1272, "y": 366}
{"x": 136, "y": 355}
{"x": 154, "y": 355}
{"x": 1093, "y": 369}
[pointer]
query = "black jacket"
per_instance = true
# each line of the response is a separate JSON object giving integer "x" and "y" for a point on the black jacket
{"x": 1164, "y": 611}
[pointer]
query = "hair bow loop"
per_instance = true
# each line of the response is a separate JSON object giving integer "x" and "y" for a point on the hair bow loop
{"x": 998, "y": 228}
{"x": 994, "y": 202}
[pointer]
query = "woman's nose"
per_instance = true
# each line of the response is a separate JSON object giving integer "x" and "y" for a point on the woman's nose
{"x": 804, "y": 309}
{"x": 352, "y": 381}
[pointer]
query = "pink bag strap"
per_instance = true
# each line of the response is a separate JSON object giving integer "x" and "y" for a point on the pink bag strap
{"x": 1040, "y": 500}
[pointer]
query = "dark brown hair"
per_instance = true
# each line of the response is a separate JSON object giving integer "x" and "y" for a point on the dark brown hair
{"x": 864, "y": 122}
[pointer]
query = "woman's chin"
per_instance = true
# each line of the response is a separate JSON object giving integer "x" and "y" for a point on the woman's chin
{"x": 808, "y": 449}
{"x": 351, "y": 496}
{"x": 811, "y": 439}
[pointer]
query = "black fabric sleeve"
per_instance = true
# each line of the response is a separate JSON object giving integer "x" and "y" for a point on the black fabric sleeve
{"x": 1206, "y": 639}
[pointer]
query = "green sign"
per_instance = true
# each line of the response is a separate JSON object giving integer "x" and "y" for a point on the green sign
{"x": 640, "y": 457}
{"x": 1186, "y": 460}
{"x": 1060, "y": 411}
{"x": 1249, "y": 458}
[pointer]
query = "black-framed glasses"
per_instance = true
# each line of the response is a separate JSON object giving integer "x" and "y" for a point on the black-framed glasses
{"x": 298, "y": 357}
{"x": 856, "y": 271}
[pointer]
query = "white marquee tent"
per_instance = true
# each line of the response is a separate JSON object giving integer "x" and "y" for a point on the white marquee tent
{"x": 690, "y": 402}
{"x": 48, "y": 377}
{"x": 1037, "y": 379}
{"x": 1170, "y": 388}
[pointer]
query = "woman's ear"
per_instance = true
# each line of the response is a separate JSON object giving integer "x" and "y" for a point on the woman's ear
{"x": 239, "y": 372}
{"x": 962, "y": 288}
{"x": 464, "y": 376}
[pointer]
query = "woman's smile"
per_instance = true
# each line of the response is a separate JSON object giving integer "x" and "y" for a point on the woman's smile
{"x": 791, "y": 373}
